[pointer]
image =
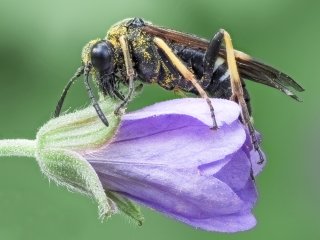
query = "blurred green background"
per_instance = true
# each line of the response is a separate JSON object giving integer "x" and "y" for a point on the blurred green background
{"x": 40, "y": 46}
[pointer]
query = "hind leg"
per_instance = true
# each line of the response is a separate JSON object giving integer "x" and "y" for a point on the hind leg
{"x": 238, "y": 95}
{"x": 237, "y": 92}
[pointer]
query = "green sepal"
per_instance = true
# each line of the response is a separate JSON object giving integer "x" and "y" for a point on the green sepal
{"x": 127, "y": 207}
{"x": 80, "y": 130}
{"x": 71, "y": 170}
{"x": 59, "y": 144}
{"x": 58, "y": 149}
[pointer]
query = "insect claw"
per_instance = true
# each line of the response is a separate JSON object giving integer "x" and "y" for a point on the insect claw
{"x": 119, "y": 111}
{"x": 262, "y": 158}
{"x": 214, "y": 122}
{"x": 214, "y": 128}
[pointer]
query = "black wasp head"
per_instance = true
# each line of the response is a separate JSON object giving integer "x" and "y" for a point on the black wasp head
{"x": 102, "y": 60}
{"x": 102, "y": 57}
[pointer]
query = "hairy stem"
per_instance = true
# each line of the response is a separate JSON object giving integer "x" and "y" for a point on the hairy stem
{"x": 17, "y": 147}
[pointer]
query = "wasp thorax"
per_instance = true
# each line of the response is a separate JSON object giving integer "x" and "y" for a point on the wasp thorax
{"x": 102, "y": 56}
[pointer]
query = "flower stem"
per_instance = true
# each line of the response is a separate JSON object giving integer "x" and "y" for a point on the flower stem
{"x": 18, "y": 147}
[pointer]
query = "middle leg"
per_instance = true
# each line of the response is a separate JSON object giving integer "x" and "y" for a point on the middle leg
{"x": 184, "y": 71}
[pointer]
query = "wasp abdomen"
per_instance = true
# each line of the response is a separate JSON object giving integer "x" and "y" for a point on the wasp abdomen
{"x": 219, "y": 85}
{"x": 194, "y": 59}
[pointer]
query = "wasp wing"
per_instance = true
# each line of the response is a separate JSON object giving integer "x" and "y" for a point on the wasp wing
{"x": 249, "y": 67}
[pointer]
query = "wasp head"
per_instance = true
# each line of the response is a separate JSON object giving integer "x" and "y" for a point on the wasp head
{"x": 98, "y": 55}
{"x": 102, "y": 58}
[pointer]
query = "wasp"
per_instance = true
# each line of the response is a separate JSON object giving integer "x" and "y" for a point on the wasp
{"x": 136, "y": 50}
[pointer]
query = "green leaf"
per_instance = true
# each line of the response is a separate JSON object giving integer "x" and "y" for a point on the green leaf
{"x": 127, "y": 207}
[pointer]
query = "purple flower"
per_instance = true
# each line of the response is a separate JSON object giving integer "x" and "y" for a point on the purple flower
{"x": 167, "y": 158}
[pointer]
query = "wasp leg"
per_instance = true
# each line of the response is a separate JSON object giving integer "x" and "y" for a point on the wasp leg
{"x": 93, "y": 99}
{"x": 186, "y": 74}
{"x": 211, "y": 56}
{"x": 118, "y": 94}
{"x": 130, "y": 73}
{"x": 78, "y": 73}
{"x": 237, "y": 92}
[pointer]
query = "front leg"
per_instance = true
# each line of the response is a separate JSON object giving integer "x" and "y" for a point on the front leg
{"x": 130, "y": 73}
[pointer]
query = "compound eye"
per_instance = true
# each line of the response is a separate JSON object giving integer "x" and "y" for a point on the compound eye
{"x": 101, "y": 56}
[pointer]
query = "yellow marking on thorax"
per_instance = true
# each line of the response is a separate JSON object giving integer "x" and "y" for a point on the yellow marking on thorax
{"x": 115, "y": 33}
{"x": 140, "y": 42}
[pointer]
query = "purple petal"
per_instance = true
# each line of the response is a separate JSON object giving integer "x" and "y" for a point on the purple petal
{"x": 241, "y": 221}
{"x": 225, "y": 111}
{"x": 166, "y": 157}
